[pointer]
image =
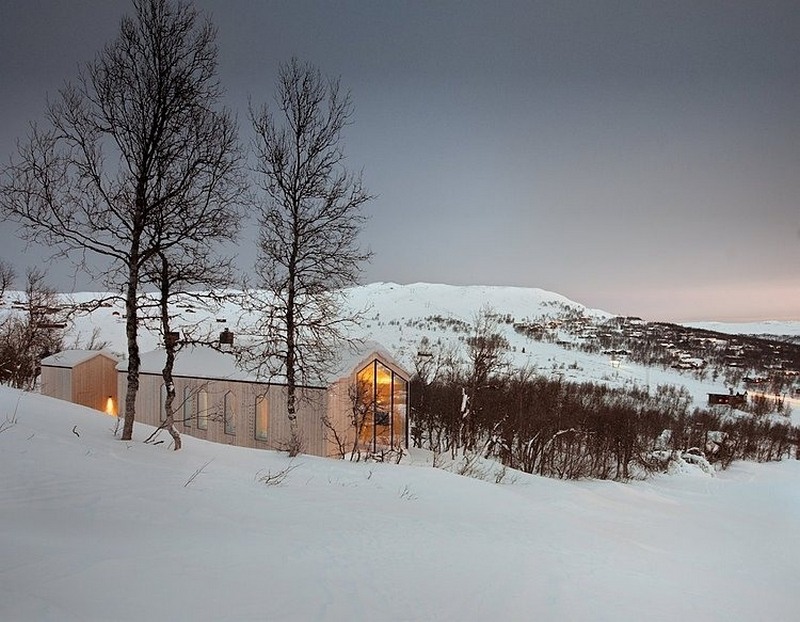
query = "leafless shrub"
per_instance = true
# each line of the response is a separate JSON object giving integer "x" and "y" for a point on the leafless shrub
{"x": 275, "y": 479}
{"x": 576, "y": 430}
{"x": 332, "y": 434}
{"x": 406, "y": 494}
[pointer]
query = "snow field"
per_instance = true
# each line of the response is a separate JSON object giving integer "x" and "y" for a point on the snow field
{"x": 92, "y": 528}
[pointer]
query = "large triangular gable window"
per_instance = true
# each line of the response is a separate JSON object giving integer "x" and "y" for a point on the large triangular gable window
{"x": 383, "y": 396}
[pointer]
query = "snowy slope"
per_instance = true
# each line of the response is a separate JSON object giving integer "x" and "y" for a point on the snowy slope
{"x": 92, "y": 528}
{"x": 400, "y": 316}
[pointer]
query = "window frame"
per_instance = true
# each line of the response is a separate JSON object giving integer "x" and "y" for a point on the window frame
{"x": 187, "y": 406}
{"x": 261, "y": 402}
{"x": 229, "y": 413}
{"x": 201, "y": 409}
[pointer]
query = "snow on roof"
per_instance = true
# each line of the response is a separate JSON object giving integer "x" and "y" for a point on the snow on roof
{"x": 359, "y": 355}
{"x": 198, "y": 361}
{"x": 71, "y": 358}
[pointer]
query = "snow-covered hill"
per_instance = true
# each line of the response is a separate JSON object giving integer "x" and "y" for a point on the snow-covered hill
{"x": 411, "y": 318}
{"x": 92, "y": 528}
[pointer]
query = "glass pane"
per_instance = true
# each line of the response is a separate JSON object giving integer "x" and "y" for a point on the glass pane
{"x": 383, "y": 405}
{"x": 262, "y": 417}
{"x": 202, "y": 410}
{"x": 364, "y": 398}
{"x": 162, "y": 405}
{"x": 228, "y": 413}
{"x": 399, "y": 410}
{"x": 187, "y": 406}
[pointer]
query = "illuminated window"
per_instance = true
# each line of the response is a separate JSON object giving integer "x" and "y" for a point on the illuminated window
{"x": 382, "y": 398}
{"x": 229, "y": 413}
{"x": 262, "y": 417}
{"x": 187, "y": 406}
{"x": 383, "y": 405}
{"x": 202, "y": 410}
{"x": 363, "y": 408}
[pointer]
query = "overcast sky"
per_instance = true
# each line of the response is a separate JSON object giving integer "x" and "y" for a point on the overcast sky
{"x": 639, "y": 157}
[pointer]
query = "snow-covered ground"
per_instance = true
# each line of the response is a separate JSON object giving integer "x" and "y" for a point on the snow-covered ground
{"x": 92, "y": 528}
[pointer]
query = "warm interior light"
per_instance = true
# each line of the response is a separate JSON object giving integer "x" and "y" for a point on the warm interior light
{"x": 110, "y": 410}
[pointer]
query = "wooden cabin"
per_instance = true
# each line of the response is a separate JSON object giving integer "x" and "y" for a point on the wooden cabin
{"x": 362, "y": 405}
{"x": 87, "y": 377}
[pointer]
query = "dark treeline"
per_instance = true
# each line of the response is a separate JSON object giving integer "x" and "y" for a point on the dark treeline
{"x": 573, "y": 430}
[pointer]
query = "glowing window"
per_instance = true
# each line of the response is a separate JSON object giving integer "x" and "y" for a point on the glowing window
{"x": 383, "y": 405}
{"x": 262, "y": 418}
{"x": 382, "y": 398}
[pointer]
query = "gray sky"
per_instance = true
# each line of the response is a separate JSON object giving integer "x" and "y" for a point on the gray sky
{"x": 639, "y": 157}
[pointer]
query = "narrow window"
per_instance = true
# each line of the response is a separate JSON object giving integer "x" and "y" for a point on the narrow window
{"x": 383, "y": 405}
{"x": 262, "y": 417}
{"x": 202, "y": 410}
{"x": 399, "y": 410}
{"x": 228, "y": 413}
{"x": 162, "y": 406}
{"x": 364, "y": 406}
{"x": 187, "y": 406}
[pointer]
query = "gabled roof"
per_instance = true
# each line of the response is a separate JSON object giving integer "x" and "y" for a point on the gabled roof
{"x": 198, "y": 361}
{"x": 71, "y": 358}
{"x": 195, "y": 361}
{"x": 359, "y": 355}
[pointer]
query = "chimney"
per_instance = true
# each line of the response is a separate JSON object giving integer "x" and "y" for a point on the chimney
{"x": 226, "y": 338}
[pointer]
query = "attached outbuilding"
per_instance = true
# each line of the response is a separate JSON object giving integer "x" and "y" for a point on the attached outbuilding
{"x": 86, "y": 377}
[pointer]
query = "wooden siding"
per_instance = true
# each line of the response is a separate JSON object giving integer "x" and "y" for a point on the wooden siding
{"x": 57, "y": 382}
{"x": 311, "y": 405}
{"x": 340, "y": 435}
{"x": 89, "y": 383}
{"x": 94, "y": 381}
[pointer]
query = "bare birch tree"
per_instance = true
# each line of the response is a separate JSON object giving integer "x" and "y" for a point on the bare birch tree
{"x": 136, "y": 137}
{"x": 486, "y": 355}
{"x": 311, "y": 214}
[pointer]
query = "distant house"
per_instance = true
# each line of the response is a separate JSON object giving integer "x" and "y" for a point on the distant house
{"x": 362, "y": 404}
{"x": 86, "y": 377}
{"x": 755, "y": 383}
{"x": 727, "y": 399}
